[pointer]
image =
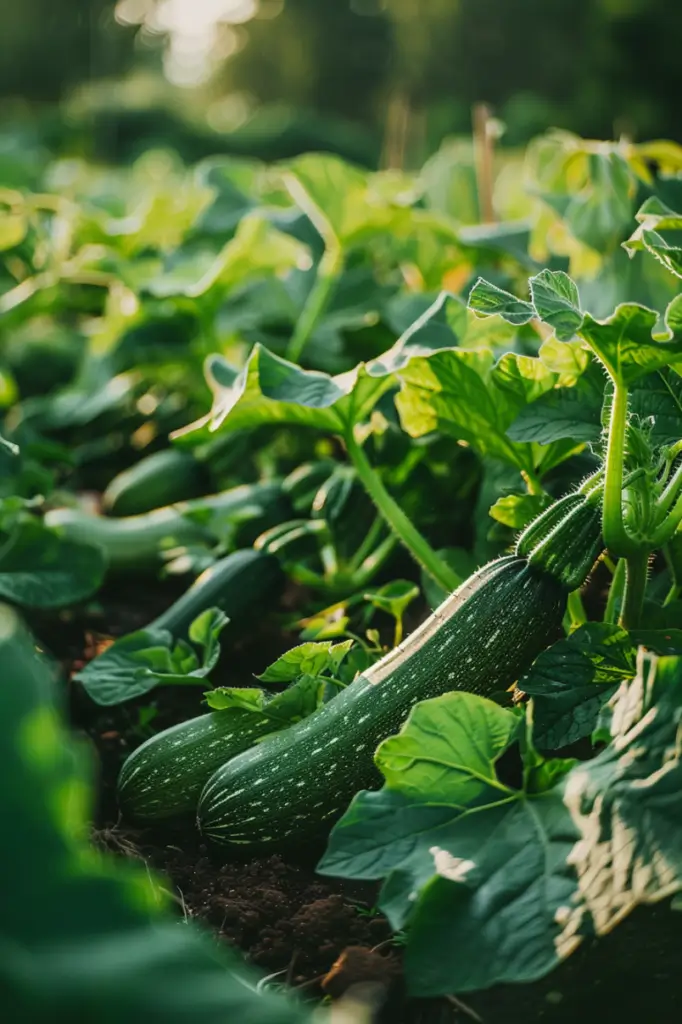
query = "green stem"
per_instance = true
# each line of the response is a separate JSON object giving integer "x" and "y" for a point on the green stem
{"x": 328, "y": 271}
{"x": 532, "y": 482}
{"x": 576, "y": 610}
{"x": 396, "y": 520}
{"x": 671, "y": 492}
{"x": 371, "y": 565}
{"x": 637, "y": 566}
{"x": 616, "y": 537}
{"x": 668, "y": 528}
{"x": 367, "y": 545}
{"x": 616, "y": 590}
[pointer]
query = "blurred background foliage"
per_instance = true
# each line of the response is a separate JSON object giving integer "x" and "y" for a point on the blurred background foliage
{"x": 378, "y": 81}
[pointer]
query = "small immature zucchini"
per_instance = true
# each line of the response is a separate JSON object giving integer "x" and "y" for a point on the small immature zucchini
{"x": 239, "y": 584}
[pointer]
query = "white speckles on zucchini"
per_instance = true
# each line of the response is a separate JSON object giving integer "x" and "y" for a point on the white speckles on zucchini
{"x": 480, "y": 639}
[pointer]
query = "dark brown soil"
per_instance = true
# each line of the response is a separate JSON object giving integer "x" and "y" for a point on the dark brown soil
{"x": 322, "y": 936}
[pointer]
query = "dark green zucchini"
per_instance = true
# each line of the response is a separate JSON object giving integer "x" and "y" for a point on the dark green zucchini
{"x": 238, "y": 584}
{"x": 480, "y": 640}
{"x": 159, "y": 479}
{"x": 243, "y": 585}
{"x": 566, "y": 540}
{"x": 164, "y": 776}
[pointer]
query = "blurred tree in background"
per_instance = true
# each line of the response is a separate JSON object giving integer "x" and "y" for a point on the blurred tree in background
{"x": 352, "y": 75}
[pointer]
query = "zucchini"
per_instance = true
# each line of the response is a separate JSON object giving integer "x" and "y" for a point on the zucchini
{"x": 566, "y": 540}
{"x": 164, "y": 776}
{"x": 240, "y": 585}
{"x": 237, "y": 584}
{"x": 480, "y": 639}
{"x": 139, "y": 541}
{"x": 159, "y": 479}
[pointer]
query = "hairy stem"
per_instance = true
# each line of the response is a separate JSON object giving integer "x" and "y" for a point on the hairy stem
{"x": 396, "y": 520}
{"x": 668, "y": 528}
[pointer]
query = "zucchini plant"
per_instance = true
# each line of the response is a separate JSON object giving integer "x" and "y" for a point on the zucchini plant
{"x": 523, "y": 872}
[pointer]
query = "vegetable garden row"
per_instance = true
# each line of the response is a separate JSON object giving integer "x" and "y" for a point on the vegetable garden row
{"x": 350, "y": 530}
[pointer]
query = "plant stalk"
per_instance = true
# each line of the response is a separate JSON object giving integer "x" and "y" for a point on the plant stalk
{"x": 328, "y": 271}
{"x": 615, "y": 598}
{"x": 396, "y": 520}
{"x": 636, "y": 571}
{"x": 616, "y": 537}
{"x": 668, "y": 528}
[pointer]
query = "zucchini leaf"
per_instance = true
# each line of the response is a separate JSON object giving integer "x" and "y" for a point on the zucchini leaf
{"x": 269, "y": 389}
{"x": 300, "y": 699}
{"x": 311, "y": 658}
{"x": 655, "y": 217}
{"x": 101, "y": 939}
{"x": 310, "y": 669}
{"x": 517, "y": 877}
{"x": 572, "y": 680}
{"x": 138, "y": 662}
{"x": 468, "y": 395}
{"x": 624, "y": 342}
{"x": 40, "y": 569}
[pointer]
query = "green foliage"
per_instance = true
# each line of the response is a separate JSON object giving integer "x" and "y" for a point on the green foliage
{"x": 38, "y": 569}
{"x": 576, "y": 847}
{"x": 393, "y": 392}
{"x": 80, "y": 929}
{"x": 138, "y": 662}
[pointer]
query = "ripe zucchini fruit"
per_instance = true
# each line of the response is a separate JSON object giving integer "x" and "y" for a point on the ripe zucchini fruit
{"x": 480, "y": 640}
{"x": 159, "y": 479}
{"x": 138, "y": 541}
{"x": 164, "y": 776}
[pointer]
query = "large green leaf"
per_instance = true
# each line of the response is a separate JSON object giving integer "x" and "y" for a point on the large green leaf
{"x": 518, "y": 877}
{"x": 257, "y": 249}
{"x": 599, "y": 214}
{"x": 468, "y": 395}
{"x": 84, "y": 936}
{"x": 625, "y": 342}
{"x": 345, "y": 202}
{"x": 39, "y": 569}
{"x": 573, "y": 413}
{"x": 270, "y": 389}
{"x": 440, "y": 755}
